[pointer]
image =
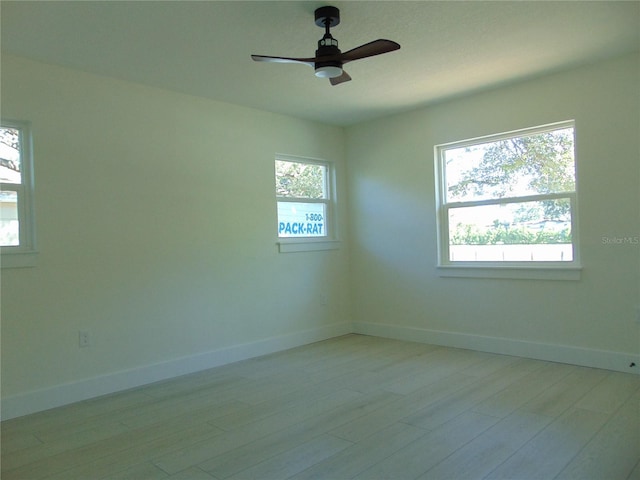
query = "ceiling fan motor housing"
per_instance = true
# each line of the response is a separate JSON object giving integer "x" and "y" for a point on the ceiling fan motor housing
{"x": 328, "y": 46}
{"x": 327, "y": 17}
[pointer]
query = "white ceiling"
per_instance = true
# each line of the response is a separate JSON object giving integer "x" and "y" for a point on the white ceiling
{"x": 203, "y": 48}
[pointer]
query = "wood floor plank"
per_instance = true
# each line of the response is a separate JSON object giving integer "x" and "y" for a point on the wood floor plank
{"x": 301, "y": 357}
{"x": 193, "y": 473}
{"x": 375, "y": 370}
{"x": 610, "y": 393}
{"x": 367, "y": 425}
{"x": 440, "y": 364}
{"x": 20, "y": 440}
{"x": 489, "y": 449}
{"x": 635, "y": 473}
{"x": 549, "y": 452}
{"x": 470, "y": 396}
{"x": 361, "y": 456}
{"x": 613, "y": 452}
{"x": 82, "y": 433}
{"x": 295, "y": 460}
{"x": 216, "y": 378}
{"x": 145, "y": 471}
{"x": 180, "y": 459}
{"x": 519, "y": 392}
{"x": 248, "y": 432}
{"x": 272, "y": 387}
{"x": 490, "y": 365}
{"x": 208, "y": 409}
{"x": 554, "y": 400}
{"x": 113, "y": 454}
{"x": 254, "y": 452}
{"x": 66, "y": 442}
{"x": 291, "y": 413}
{"x": 419, "y": 456}
{"x": 79, "y": 413}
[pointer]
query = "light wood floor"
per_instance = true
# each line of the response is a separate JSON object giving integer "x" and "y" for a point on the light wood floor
{"x": 351, "y": 407}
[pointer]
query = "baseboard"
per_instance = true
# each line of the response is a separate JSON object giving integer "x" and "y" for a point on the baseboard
{"x": 506, "y": 346}
{"x": 59, "y": 395}
{"x": 56, "y": 396}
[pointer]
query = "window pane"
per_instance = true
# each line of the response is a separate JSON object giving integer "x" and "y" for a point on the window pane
{"x": 524, "y": 232}
{"x": 300, "y": 180}
{"x": 528, "y": 165}
{"x": 10, "y": 155}
{"x": 9, "y": 225}
{"x": 297, "y": 219}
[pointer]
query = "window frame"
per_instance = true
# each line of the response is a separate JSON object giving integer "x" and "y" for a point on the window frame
{"x": 329, "y": 241}
{"x": 23, "y": 254}
{"x": 554, "y": 270}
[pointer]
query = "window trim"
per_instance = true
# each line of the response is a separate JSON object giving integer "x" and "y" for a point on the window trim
{"x": 24, "y": 254}
{"x": 548, "y": 270}
{"x": 315, "y": 243}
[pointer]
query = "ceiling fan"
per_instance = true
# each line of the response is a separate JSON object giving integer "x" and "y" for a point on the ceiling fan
{"x": 329, "y": 59}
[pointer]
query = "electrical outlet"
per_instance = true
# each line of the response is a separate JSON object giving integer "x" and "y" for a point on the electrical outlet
{"x": 83, "y": 339}
{"x": 323, "y": 299}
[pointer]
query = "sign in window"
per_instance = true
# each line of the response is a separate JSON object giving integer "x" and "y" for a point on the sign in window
{"x": 297, "y": 219}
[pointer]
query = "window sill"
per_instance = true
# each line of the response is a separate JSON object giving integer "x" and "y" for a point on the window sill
{"x": 18, "y": 259}
{"x": 518, "y": 272}
{"x": 306, "y": 245}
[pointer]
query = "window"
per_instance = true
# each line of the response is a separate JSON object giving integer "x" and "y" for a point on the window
{"x": 16, "y": 190}
{"x": 304, "y": 200}
{"x": 509, "y": 200}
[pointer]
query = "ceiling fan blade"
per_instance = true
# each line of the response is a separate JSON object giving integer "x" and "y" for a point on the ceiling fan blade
{"x": 264, "y": 58}
{"x": 377, "y": 47}
{"x": 341, "y": 79}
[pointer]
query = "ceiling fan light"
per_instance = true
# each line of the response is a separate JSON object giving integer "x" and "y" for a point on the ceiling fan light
{"x": 328, "y": 71}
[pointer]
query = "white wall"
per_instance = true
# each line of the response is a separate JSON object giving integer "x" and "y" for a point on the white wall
{"x": 396, "y": 289}
{"x": 157, "y": 234}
